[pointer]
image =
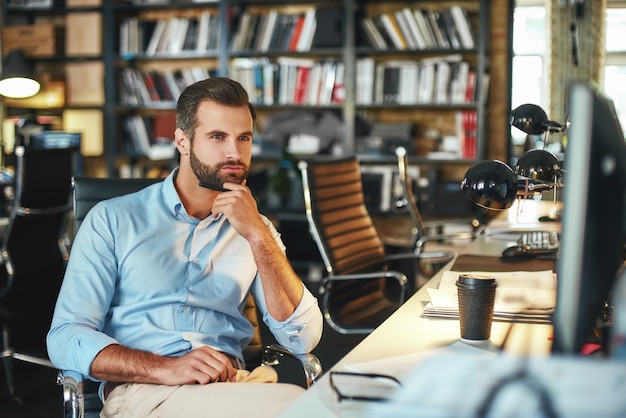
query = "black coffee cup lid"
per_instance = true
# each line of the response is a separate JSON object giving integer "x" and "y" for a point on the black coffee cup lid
{"x": 477, "y": 280}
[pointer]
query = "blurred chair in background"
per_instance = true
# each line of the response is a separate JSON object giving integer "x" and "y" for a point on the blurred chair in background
{"x": 34, "y": 252}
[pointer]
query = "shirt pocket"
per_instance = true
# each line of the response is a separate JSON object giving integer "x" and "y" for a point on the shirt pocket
{"x": 232, "y": 276}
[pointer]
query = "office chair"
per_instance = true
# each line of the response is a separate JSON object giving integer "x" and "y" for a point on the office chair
{"x": 34, "y": 252}
{"x": 420, "y": 235}
{"x": 80, "y": 399}
{"x": 360, "y": 289}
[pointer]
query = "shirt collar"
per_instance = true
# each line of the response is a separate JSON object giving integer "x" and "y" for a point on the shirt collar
{"x": 170, "y": 195}
{"x": 172, "y": 200}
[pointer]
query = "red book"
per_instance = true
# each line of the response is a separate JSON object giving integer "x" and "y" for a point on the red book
{"x": 470, "y": 92}
{"x": 295, "y": 34}
{"x": 470, "y": 122}
{"x": 149, "y": 82}
{"x": 302, "y": 84}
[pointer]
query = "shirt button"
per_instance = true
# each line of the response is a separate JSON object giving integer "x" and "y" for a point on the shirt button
{"x": 195, "y": 260}
{"x": 185, "y": 308}
{"x": 192, "y": 288}
{"x": 187, "y": 337}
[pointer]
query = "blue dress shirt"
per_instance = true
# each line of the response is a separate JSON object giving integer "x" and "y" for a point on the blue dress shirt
{"x": 146, "y": 275}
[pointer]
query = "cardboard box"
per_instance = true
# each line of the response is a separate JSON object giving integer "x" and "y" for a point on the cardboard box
{"x": 37, "y": 41}
{"x": 90, "y": 124}
{"x": 85, "y": 83}
{"x": 83, "y": 34}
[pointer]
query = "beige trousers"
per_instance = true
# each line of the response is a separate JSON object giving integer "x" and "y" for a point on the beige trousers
{"x": 250, "y": 395}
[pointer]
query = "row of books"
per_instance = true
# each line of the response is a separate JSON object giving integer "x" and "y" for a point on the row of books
{"x": 137, "y": 87}
{"x": 445, "y": 80}
{"x": 170, "y": 36}
{"x": 419, "y": 29}
{"x": 277, "y": 31}
{"x": 288, "y": 80}
{"x": 149, "y": 136}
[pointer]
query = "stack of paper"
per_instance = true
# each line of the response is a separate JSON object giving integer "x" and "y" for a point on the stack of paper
{"x": 521, "y": 296}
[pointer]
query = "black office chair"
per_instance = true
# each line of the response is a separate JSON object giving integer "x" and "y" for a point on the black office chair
{"x": 80, "y": 399}
{"x": 34, "y": 252}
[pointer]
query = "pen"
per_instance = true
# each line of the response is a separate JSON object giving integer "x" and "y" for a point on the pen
{"x": 213, "y": 187}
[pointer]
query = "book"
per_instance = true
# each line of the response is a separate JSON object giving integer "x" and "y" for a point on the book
{"x": 202, "y": 32}
{"x": 464, "y": 27}
{"x": 339, "y": 88}
{"x": 391, "y": 83}
{"x": 297, "y": 31}
{"x": 373, "y": 34}
{"x": 447, "y": 21}
{"x": 178, "y": 36}
{"x": 278, "y": 33}
{"x": 425, "y": 29}
{"x": 365, "y": 68}
{"x": 432, "y": 17}
{"x": 241, "y": 31}
{"x": 315, "y": 81}
{"x": 405, "y": 30}
{"x": 329, "y": 69}
{"x": 303, "y": 74}
{"x": 409, "y": 17}
{"x": 308, "y": 30}
{"x": 469, "y": 125}
{"x": 215, "y": 32}
{"x": 470, "y": 91}
{"x": 268, "y": 30}
{"x": 191, "y": 37}
{"x": 393, "y": 30}
{"x": 269, "y": 76}
{"x": 155, "y": 39}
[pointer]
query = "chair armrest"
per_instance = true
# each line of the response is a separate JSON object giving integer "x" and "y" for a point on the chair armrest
{"x": 310, "y": 363}
{"x": 325, "y": 291}
{"x": 390, "y": 274}
{"x": 73, "y": 401}
{"x": 401, "y": 278}
{"x": 446, "y": 255}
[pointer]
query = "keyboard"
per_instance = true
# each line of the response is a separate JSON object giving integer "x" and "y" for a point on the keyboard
{"x": 540, "y": 241}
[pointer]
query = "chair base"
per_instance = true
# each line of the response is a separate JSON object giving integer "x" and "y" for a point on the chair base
{"x": 7, "y": 355}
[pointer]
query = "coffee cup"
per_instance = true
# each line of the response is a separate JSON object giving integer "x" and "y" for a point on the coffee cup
{"x": 476, "y": 295}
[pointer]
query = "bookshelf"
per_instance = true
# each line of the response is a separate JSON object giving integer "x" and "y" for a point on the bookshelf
{"x": 376, "y": 52}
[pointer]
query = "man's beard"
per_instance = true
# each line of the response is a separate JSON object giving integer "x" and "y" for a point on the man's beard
{"x": 210, "y": 174}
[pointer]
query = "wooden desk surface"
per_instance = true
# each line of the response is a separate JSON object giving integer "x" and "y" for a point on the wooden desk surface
{"x": 406, "y": 332}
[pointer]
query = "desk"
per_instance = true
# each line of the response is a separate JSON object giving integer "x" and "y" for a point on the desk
{"x": 406, "y": 332}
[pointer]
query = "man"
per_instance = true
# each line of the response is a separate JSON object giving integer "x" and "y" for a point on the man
{"x": 151, "y": 303}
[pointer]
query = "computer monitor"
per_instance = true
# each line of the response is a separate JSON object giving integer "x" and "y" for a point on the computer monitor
{"x": 593, "y": 222}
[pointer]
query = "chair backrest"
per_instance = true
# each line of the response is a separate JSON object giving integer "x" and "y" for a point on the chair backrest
{"x": 33, "y": 248}
{"x": 340, "y": 223}
{"x": 88, "y": 191}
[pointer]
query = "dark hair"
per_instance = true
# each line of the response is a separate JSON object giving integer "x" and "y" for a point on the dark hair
{"x": 220, "y": 90}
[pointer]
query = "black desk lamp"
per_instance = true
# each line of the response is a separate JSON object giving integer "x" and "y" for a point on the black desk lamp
{"x": 494, "y": 185}
{"x": 17, "y": 79}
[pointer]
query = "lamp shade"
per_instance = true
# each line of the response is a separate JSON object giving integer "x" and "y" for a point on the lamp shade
{"x": 538, "y": 165}
{"x": 529, "y": 118}
{"x": 17, "y": 79}
{"x": 490, "y": 184}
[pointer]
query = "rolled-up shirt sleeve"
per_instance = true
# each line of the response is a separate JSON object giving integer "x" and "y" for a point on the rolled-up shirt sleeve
{"x": 301, "y": 332}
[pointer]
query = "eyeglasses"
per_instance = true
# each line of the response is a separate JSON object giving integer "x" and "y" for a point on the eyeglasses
{"x": 369, "y": 387}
